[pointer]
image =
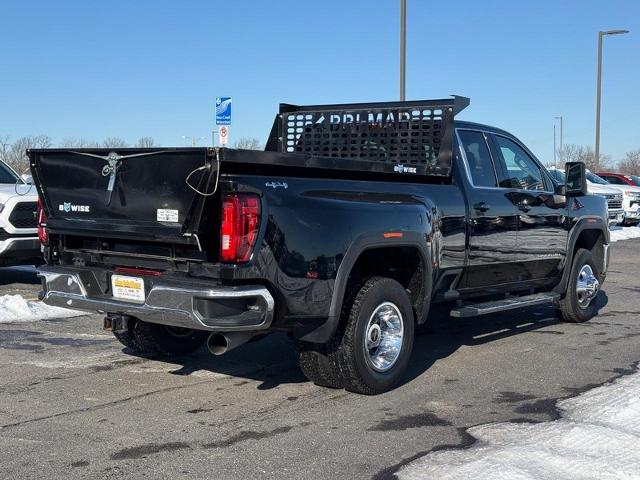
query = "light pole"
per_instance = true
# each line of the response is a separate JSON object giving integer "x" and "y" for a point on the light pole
{"x": 599, "y": 90}
{"x": 555, "y": 164}
{"x": 561, "y": 144}
{"x": 403, "y": 47}
{"x": 193, "y": 139}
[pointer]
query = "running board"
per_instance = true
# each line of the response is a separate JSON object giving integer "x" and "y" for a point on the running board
{"x": 511, "y": 303}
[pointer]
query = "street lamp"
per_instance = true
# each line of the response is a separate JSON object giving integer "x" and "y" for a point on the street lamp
{"x": 555, "y": 163}
{"x": 193, "y": 139}
{"x": 599, "y": 90}
{"x": 561, "y": 144}
{"x": 403, "y": 47}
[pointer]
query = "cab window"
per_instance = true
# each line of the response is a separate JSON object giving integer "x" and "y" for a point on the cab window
{"x": 614, "y": 180}
{"x": 6, "y": 175}
{"x": 479, "y": 160}
{"x": 522, "y": 172}
{"x": 557, "y": 175}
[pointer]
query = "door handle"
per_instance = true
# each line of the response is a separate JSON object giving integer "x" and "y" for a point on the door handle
{"x": 481, "y": 207}
{"x": 523, "y": 207}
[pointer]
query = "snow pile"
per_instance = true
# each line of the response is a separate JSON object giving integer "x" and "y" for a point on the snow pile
{"x": 624, "y": 233}
{"x": 15, "y": 309}
{"x": 598, "y": 437}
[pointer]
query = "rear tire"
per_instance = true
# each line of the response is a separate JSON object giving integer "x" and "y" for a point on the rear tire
{"x": 316, "y": 365}
{"x": 370, "y": 352}
{"x": 577, "y": 306}
{"x": 153, "y": 339}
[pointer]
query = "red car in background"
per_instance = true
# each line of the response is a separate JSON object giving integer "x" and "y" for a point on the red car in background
{"x": 620, "y": 179}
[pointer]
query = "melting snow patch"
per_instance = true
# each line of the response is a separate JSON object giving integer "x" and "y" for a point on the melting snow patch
{"x": 598, "y": 437}
{"x": 624, "y": 233}
{"x": 15, "y": 309}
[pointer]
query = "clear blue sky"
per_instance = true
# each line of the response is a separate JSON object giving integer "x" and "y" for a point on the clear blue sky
{"x": 123, "y": 68}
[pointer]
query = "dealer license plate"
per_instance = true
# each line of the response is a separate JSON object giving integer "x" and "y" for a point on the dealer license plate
{"x": 127, "y": 288}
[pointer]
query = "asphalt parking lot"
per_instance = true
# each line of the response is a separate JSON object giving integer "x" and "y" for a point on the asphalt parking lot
{"x": 74, "y": 404}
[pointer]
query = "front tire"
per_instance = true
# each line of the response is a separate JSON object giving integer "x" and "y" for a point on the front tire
{"x": 577, "y": 306}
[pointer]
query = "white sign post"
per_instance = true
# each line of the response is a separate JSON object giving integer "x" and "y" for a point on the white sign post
{"x": 224, "y": 135}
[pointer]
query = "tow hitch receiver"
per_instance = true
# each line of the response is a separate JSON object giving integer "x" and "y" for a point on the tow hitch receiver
{"x": 116, "y": 323}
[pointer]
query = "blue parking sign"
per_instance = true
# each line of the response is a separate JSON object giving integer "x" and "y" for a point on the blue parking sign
{"x": 223, "y": 110}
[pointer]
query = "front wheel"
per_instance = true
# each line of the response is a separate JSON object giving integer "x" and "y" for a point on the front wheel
{"x": 577, "y": 306}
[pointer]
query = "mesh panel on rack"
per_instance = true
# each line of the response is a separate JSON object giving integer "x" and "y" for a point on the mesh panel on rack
{"x": 417, "y": 134}
{"x": 411, "y": 136}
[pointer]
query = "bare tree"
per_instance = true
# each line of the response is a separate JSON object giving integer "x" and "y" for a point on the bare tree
{"x": 15, "y": 153}
{"x": 145, "y": 142}
{"x": 584, "y": 154}
{"x": 114, "y": 142}
{"x": 72, "y": 142}
{"x": 247, "y": 143}
{"x": 5, "y": 147}
{"x": 630, "y": 164}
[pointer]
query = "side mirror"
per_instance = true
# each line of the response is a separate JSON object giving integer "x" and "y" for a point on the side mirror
{"x": 28, "y": 179}
{"x": 576, "y": 184}
{"x": 560, "y": 190}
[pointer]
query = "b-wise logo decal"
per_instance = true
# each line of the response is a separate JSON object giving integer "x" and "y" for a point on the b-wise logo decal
{"x": 68, "y": 207}
{"x": 403, "y": 169}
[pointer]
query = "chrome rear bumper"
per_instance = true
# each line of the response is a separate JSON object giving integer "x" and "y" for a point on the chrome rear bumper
{"x": 194, "y": 305}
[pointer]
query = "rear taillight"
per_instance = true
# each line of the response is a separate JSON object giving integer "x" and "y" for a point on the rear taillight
{"x": 42, "y": 221}
{"x": 240, "y": 225}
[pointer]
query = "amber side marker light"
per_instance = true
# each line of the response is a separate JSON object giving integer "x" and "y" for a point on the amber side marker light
{"x": 393, "y": 235}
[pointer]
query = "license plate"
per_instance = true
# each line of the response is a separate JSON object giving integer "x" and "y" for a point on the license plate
{"x": 127, "y": 288}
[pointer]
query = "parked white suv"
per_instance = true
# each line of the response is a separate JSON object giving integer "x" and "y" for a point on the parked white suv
{"x": 630, "y": 197}
{"x": 613, "y": 195}
{"x": 19, "y": 242}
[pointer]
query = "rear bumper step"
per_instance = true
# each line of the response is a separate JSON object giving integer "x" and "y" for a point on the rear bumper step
{"x": 198, "y": 306}
{"x": 503, "y": 305}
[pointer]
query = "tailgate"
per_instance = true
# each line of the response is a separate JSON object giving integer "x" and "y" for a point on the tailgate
{"x": 139, "y": 193}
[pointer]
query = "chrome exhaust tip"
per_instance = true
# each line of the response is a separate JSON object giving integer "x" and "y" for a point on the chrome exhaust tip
{"x": 219, "y": 344}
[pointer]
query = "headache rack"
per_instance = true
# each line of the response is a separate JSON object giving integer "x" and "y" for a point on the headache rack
{"x": 413, "y": 137}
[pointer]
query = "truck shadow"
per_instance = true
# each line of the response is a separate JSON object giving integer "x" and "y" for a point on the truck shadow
{"x": 442, "y": 335}
{"x": 26, "y": 274}
{"x": 272, "y": 360}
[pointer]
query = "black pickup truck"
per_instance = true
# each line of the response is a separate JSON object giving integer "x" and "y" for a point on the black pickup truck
{"x": 352, "y": 223}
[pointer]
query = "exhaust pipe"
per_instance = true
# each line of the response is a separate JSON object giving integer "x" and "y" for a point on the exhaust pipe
{"x": 219, "y": 343}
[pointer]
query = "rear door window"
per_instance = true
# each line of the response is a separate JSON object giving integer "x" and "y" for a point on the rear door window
{"x": 479, "y": 162}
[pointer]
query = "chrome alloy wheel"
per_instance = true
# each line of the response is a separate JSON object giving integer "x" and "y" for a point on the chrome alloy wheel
{"x": 383, "y": 337}
{"x": 587, "y": 286}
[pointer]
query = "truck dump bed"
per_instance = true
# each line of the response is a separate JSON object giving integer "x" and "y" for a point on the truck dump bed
{"x": 160, "y": 194}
